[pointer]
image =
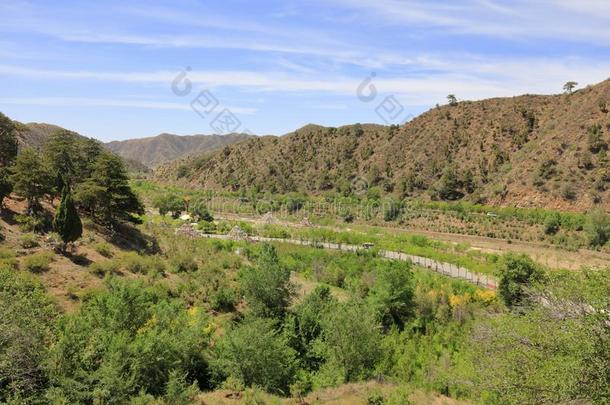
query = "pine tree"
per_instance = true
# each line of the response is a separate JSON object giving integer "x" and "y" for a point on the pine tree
{"x": 8, "y": 152}
{"x": 30, "y": 178}
{"x": 8, "y": 141}
{"x": 67, "y": 223}
{"x": 107, "y": 193}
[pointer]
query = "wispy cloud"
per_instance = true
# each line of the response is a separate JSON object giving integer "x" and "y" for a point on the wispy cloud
{"x": 564, "y": 20}
{"x": 104, "y": 102}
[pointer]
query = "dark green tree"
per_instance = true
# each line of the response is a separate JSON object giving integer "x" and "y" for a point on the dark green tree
{"x": 569, "y": 87}
{"x": 256, "y": 354}
{"x": 517, "y": 274}
{"x": 67, "y": 223}
{"x": 267, "y": 286}
{"x": 5, "y": 185}
{"x": 8, "y": 152}
{"x": 8, "y": 141}
{"x": 597, "y": 228}
{"x": 170, "y": 203}
{"x": 449, "y": 184}
{"x": 108, "y": 194}
{"x": 391, "y": 296}
{"x": 200, "y": 211}
{"x": 30, "y": 178}
{"x": 61, "y": 151}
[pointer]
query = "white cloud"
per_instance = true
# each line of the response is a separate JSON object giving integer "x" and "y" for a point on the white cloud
{"x": 104, "y": 102}
{"x": 565, "y": 20}
{"x": 468, "y": 77}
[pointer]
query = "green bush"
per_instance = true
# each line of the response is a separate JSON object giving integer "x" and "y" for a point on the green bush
{"x": 517, "y": 274}
{"x": 183, "y": 263}
{"x": 103, "y": 268}
{"x": 391, "y": 295}
{"x": 8, "y": 259}
{"x": 26, "y": 328}
{"x": 267, "y": 287}
{"x": 138, "y": 264}
{"x": 104, "y": 249}
{"x": 38, "y": 262}
{"x": 31, "y": 223}
{"x": 224, "y": 299}
{"x": 349, "y": 344}
{"x": 29, "y": 241}
{"x": 597, "y": 228}
{"x": 129, "y": 340}
{"x": 552, "y": 224}
{"x": 256, "y": 354}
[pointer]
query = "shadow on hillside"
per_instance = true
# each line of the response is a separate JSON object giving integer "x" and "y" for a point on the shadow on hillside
{"x": 8, "y": 216}
{"x": 79, "y": 259}
{"x": 128, "y": 237}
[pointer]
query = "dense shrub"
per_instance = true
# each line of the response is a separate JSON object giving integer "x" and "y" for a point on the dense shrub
{"x": 349, "y": 344}
{"x": 517, "y": 274}
{"x": 255, "y": 353}
{"x": 138, "y": 264}
{"x": 38, "y": 262}
{"x": 26, "y": 327}
{"x": 104, "y": 249}
{"x": 29, "y": 241}
{"x": 552, "y": 224}
{"x": 126, "y": 341}
{"x": 224, "y": 299}
{"x": 103, "y": 268}
{"x": 8, "y": 259}
{"x": 598, "y": 228}
{"x": 33, "y": 223}
{"x": 267, "y": 286}
{"x": 391, "y": 295}
{"x": 183, "y": 263}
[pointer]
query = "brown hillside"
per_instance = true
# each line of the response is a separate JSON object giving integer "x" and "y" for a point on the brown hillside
{"x": 536, "y": 151}
{"x": 166, "y": 147}
{"x": 35, "y": 134}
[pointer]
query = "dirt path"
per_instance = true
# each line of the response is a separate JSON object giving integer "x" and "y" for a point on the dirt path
{"x": 549, "y": 256}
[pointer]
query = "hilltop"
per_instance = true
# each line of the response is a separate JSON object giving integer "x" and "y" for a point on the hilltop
{"x": 163, "y": 148}
{"x": 528, "y": 151}
{"x": 140, "y": 154}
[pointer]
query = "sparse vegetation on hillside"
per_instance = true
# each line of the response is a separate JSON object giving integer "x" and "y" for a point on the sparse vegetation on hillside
{"x": 524, "y": 151}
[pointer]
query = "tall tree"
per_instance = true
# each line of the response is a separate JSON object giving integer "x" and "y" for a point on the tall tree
{"x": 8, "y": 152}
{"x": 67, "y": 223}
{"x": 8, "y": 141}
{"x": 62, "y": 152}
{"x": 109, "y": 192}
{"x": 30, "y": 178}
{"x": 267, "y": 287}
{"x": 569, "y": 87}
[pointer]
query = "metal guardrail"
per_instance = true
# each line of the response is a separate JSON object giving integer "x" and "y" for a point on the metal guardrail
{"x": 446, "y": 269}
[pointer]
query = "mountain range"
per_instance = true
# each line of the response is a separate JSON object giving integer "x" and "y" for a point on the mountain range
{"x": 163, "y": 148}
{"x": 530, "y": 151}
{"x": 141, "y": 154}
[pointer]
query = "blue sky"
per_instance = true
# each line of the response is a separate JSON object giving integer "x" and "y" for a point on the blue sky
{"x": 106, "y": 68}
